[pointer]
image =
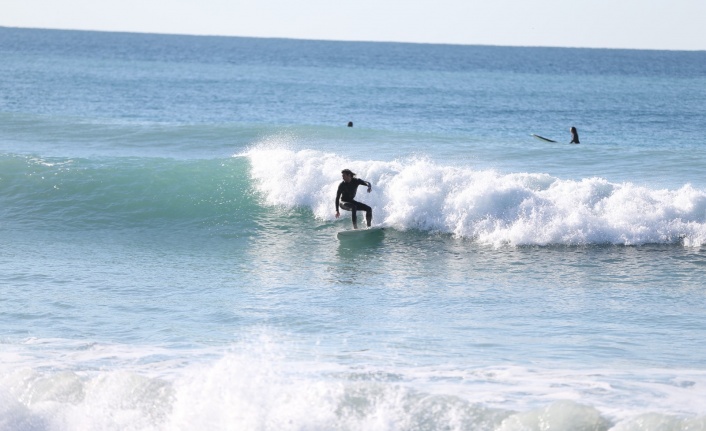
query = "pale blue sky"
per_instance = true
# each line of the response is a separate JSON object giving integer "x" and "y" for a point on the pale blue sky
{"x": 641, "y": 24}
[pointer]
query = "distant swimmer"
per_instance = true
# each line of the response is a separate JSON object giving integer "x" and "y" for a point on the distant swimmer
{"x": 574, "y": 136}
{"x": 346, "y": 195}
{"x": 350, "y": 124}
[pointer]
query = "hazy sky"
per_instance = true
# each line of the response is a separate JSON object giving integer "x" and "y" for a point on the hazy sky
{"x": 642, "y": 24}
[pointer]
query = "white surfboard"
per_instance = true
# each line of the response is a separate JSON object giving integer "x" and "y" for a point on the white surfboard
{"x": 370, "y": 232}
{"x": 542, "y": 138}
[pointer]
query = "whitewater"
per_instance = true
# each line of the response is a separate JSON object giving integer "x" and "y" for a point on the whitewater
{"x": 486, "y": 206}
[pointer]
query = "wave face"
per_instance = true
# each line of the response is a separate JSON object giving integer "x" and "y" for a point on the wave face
{"x": 114, "y": 193}
{"x": 409, "y": 194}
{"x": 486, "y": 206}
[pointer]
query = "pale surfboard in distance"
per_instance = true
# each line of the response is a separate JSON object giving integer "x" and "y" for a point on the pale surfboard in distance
{"x": 542, "y": 138}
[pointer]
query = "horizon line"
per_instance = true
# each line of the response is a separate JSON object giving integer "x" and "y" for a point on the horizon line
{"x": 159, "y": 33}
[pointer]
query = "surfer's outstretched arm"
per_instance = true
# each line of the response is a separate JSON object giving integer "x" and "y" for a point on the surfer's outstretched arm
{"x": 338, "y": 200}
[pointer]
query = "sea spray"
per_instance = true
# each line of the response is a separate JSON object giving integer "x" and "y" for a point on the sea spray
{"x": 262, "y": 383}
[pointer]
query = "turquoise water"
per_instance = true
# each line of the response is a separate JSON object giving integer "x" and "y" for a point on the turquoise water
{"x": 170, "y": 258}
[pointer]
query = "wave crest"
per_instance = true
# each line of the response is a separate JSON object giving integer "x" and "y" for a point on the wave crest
{"x": 486, "y": 206}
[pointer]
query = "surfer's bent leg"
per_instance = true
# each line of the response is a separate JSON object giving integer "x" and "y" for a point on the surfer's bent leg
{"x": 352, "y": 207}
{"x": 368, "y": 213}
{"x": 356, "y": 206}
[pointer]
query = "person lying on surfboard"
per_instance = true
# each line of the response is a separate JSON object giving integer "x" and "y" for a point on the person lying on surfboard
{"x": 346, "y": 195}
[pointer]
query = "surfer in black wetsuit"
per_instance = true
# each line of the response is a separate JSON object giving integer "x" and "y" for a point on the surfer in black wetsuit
{"x": 574, "y": 136}
{"x": 346, "y": 195}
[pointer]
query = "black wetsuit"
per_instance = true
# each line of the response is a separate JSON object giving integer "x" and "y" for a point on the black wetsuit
{"x": 574, "y": 137}
{"x": 346, "y": 194}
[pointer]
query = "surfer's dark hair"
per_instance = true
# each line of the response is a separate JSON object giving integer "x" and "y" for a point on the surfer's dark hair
{"x": 348, "y": 171}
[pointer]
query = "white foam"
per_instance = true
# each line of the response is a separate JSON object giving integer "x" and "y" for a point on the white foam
{"x": 260, "y": 384}
{"x": 487, "y": 206}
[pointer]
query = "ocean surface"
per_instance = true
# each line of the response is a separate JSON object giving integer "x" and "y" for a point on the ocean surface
{"x": 169, "y": 256}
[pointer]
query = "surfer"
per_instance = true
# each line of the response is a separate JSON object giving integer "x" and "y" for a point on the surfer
{"x": 346, "y": 195}
{"x": 574, "y": 135}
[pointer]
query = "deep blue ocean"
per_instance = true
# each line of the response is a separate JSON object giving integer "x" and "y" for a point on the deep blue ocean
{"x": 169, "y": 256}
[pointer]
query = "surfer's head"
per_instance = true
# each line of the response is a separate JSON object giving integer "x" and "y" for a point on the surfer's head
{"x": 347, "y": 174}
